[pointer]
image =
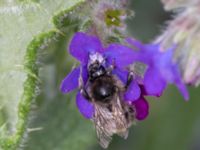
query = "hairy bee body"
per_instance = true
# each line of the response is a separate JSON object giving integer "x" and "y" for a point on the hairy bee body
{"x": 112, "y": 115}
{"x": 105, "y": 91}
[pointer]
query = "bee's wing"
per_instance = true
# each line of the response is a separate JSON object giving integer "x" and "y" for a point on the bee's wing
{"x": 103, "y": 136}
{"x": 100, "y": 121}
{"x": 110, "y": 121}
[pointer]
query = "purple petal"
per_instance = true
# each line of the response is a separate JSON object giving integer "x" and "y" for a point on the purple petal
{"x": 121, "y": 55}
{"x": 175, "y": 77}
{"x": 121, "y": 74}
{"x": 153, "y": 82}
{"x": 70, "y": 82}
{"x": 170, "y": 72}
{"x": 143, "y": 90}
{"x": 167, "y": 67}
{"x": 82, "y": 44}
{"x": 143, "y": 47}
{"x": 142, "y": 108}
{"x": 182, "y": 88}
{"x": 133, "y": 92}
{"x": 135, "y": 43}
{"x": 84, "y": 73}
{"x": 164, "y": 69}
{"x": 146, "y": 52}
{"x": 85, "y": 107}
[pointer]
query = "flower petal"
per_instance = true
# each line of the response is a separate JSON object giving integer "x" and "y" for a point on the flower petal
{"x": 133, "y": 92}
{"x": 167, "y": 67}
{"x": 164, "y": 71}
{"x": 142, "y": 108}
{"x": 81, "y": 44}
{"x": 121, "y": 55}
{"x": 182, "y": 88}
{"x": 84, "y": 74}
{"x": 146, "y": 52}
{"x": 85, "y": 107}
{"x": 121, "y": 74}
{"x": 70, "y": 82}
{"x": 135, "y": 43}
{"x": 154, "y": 84}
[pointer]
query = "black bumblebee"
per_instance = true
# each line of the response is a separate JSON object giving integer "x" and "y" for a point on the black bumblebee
{"x": 112, "y": 114}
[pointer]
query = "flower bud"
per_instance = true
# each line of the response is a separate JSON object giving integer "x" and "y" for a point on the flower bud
{"x": 184, "y": 32}
{"x": 108, "y": 17}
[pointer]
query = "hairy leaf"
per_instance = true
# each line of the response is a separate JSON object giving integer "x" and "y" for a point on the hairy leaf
{"x": 31, "y": 57}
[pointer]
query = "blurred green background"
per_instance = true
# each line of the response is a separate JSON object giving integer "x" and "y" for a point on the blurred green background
{"x": 173, "y": 124}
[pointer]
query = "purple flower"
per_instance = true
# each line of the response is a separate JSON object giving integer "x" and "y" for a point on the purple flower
{"x": 161, "y": 69}
{"x": 86, "y": 48}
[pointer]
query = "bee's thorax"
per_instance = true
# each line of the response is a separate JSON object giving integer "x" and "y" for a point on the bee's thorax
{"x": 103, "y": 89}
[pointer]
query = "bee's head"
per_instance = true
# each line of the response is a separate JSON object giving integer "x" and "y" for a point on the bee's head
{"x": 96, "y": 70}
{"x": 96, "y": 66}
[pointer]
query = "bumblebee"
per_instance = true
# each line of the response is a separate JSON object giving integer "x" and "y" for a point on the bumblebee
{"x": 105, "y": 91}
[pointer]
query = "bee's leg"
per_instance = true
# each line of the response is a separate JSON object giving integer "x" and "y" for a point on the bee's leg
{"x": 82, "y": 89}
{"x": 85, "y": 94}
{"x": 129, "y": 80}
{"x": 110, "y": 68}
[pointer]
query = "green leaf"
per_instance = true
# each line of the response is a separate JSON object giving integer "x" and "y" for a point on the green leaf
{"x": 33, "y": 61}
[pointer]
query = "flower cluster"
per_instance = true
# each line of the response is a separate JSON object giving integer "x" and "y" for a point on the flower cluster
{"x": 183, "y": 30}
{"x": 160, "y": 71}
{"x": 109, "y": 17}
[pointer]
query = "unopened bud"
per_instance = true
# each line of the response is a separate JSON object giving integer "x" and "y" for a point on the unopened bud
{"x": 184, "y": 32}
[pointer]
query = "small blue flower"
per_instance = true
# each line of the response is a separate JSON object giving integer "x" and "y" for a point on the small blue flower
{"x": 82, "y": 47}
{"x": 161, "y": 69}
